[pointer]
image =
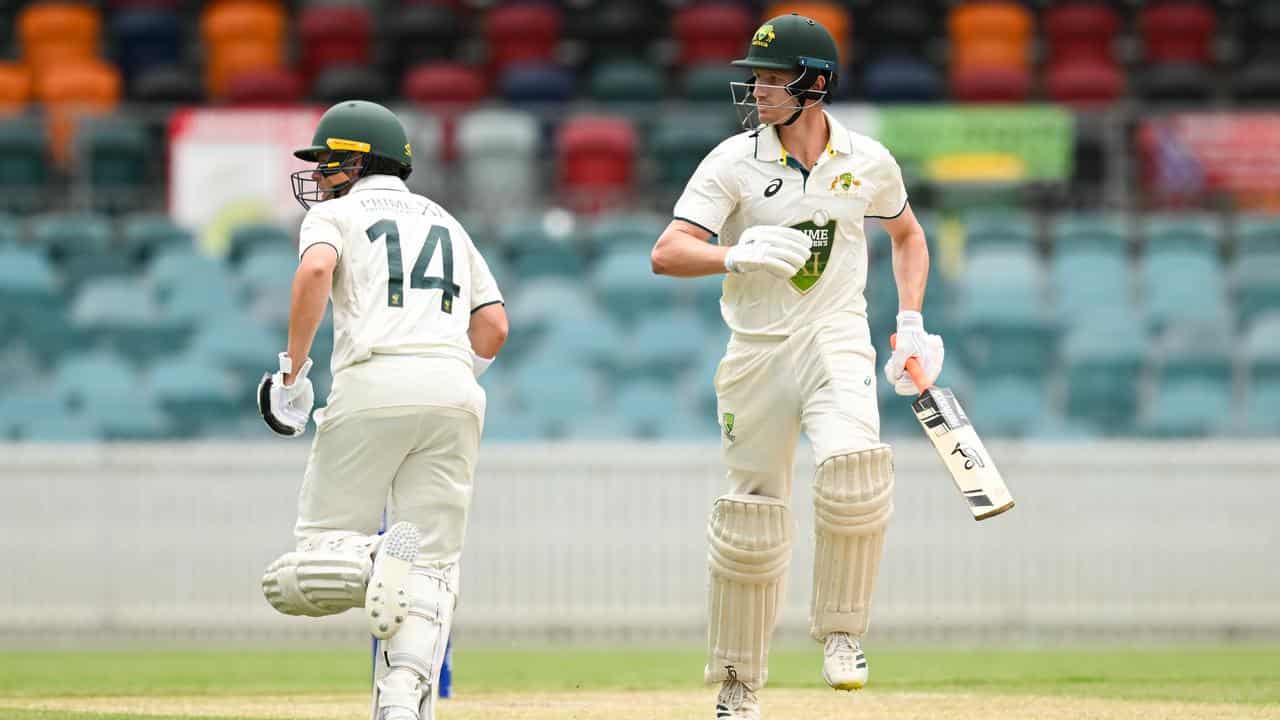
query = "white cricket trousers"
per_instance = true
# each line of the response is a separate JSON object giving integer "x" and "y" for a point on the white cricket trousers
{"x": 402, "y": 430}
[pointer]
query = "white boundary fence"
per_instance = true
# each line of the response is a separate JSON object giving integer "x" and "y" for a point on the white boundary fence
{"x": 601, "y": 543}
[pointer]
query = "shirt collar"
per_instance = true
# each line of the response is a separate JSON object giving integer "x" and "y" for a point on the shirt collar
{"x": 769, "y": 146}
{"x": 379, "y": 182}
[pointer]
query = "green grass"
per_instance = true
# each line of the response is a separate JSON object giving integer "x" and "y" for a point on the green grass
{"x": 1236, "y": 675}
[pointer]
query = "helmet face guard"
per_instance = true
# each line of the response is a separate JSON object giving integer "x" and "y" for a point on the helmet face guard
{"x": 308, "y": 191}
{"x": 798, "y": 91}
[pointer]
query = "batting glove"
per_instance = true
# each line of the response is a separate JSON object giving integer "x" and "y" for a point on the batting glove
{"x": 286, "y": 408}
{"x": 779, "y": 251}
{"x": 913, "y": 341}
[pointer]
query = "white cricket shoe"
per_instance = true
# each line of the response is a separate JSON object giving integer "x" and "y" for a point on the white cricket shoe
{"x": 386, "y": 601}
{"x": 736, "y": 701}
{"x": 844, "y": 667}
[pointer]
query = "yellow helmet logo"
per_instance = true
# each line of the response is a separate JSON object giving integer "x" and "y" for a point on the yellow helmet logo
{"x": 408, "y": 151}
{"x": 763, "y": 36}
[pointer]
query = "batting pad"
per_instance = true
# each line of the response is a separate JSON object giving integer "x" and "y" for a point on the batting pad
{"x": 316, "y": 582}
{"x": 407, "y": 666}
{"x": 750, "y": 549}
{"x": 852, "y": 502}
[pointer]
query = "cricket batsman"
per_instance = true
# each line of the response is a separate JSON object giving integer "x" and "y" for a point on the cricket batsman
{"x": 417, "y": 317}
{"x": 787, "y": 199}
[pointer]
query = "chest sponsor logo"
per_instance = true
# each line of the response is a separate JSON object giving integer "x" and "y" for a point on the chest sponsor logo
{"x": 844, "y": 183}
{"x": 773, "y": 187}
{"x": 821, "y": 238}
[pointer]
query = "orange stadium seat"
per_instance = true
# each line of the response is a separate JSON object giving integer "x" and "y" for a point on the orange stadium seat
{"x": 58, "y": 31}
{"x": 990, "y": 53}
{"x": 231, "y": 60}
{"x": 74, "y": 90}
{"x": 15, "y": 88}
{"x": 1005, "y": 20}
{"x": 332, "y": 35}
{"x": 1180, "y": 31}
{"x": 596, "y": 158}
{"x": 522, "y": 33}
{"x": 236, "y": 22}
{"x": 833, "y": 17}
{"x": 1081, "y": 30}
{"x": 714, "y": 32}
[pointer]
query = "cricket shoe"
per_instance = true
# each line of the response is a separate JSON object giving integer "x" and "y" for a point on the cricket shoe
{"x": 844, "y": 667}
{"x": 736, "y": 701}
{"x": 386, "y": 600}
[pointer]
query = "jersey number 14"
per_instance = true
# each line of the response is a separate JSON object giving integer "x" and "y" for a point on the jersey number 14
{"x": 418, "y": 277}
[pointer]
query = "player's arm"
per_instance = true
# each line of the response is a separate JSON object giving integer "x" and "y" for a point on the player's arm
{"x": 910, "y": 259}
{"x": 311, "y": 284}
{"x": 683, "y": 250}
{"x": 488, "y": 330}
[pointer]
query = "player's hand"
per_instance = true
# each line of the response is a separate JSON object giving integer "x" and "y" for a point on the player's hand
{"x": 777, "y": 250}
{"x": 286, "y": 408}
{"x": 913, "y": 341}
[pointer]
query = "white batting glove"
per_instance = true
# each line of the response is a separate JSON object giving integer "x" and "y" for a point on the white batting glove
{"x": 913, "y": 341}
{"x": 286, "y": 408}
{"x": 779, "y": 251}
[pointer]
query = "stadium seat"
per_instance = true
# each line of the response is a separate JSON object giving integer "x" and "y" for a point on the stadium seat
{"x": 987, "y": 228}
{"x": 194, "y": 405}
{"x": 1081, "y": 32}
{"x": 1189, "y": 233}
{"x": 626, "y": 81}
{"x": 1003, "y": 316}
{"x": 1176, "y": 82}
{"x": 250, "y": 236}
{"x": 114, "y": 154}
{"x": 57, "y": 32}
{"x": 145, "y": 38}
{"x": 500, "y": 143}
{"x": 539, "y": 253}
{"x": 1192, "y": 352}
{"x": 553, "y": 392}
{"x": 333, "y": 36}
{"x": 119, "y": 313}
{"x": 990, "y": 20}
{"x": 980, "y": 84}
{"x": 1085, "y": 83}
{"x": 1193, "y": 408}
{"x": 21, "y": 407}
{"x": 444, "y": 82}
{"x": 342, "y": 82}
{"x": 59, "y": 429}
{"x": 190, "y": 304}
{"x": 236, "y": 344}
{"x": 10, "y": 234}
{"x": 1257, "y": 236}
{"x": 24, "y": 164}
{"x": 625, "y": 230}
{"x": 522, "y": 33}
{"x": 540, "y": 305}
{"x": 679, "y": 144}
{"x": 95, "y": 377}
{"x": 1087, "y": 230}
{"x": 422, "y": 33}
{"x": 1007, "y": 407}
{"x": 1177, "y": 31}
{"x": 242, "y": 58}
{"x": 26, "y": 279}
{"x": 80, "y": 244}
{"x": 167, "y": 84}
{"x": 711, "y": 32}
{"x": 1262, "y": 350}
{"x": 1103, "y": 358}
{"x": 1263, "y": 409}
{"x": 902, "y": 78}
{"x": 1183, "y": 287}
{"x": 1257, "y": 83}
{"x": 709, "y": 82}
{"x": 146, "y": 235}
{"x": 627, "y": 286}
{"x": 647, "y": 405}
{"x": 272, "y": 86}
{"x": 831, "y": 15}
{"x": 536, "y": 83}
{"x": 1086, "y": 282}
{"x": 73, "y": 91}
{"x": 1255, "y": 286}
{"x": 15, "y": 88}
{"x": 617, "y": 29}
{"x": 586, "y": 335}
{"x": 904, "y": 27}
{"x": 185, "y": 266}
{"x": 664, "y": 345}
{"x": 230, "y": 22}
{"x": 596, "y": 159}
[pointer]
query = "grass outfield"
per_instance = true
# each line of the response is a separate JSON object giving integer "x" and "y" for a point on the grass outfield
{"x": 1195, "y": 683}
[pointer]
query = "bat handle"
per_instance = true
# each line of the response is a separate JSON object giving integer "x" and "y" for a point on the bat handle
{"x": 913, "y": 367}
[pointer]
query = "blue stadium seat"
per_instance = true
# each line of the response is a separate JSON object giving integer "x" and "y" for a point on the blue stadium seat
{"x": 1183, "y": 233}
{"x": 1255, "y": 286}
{"x": 93, "y": 378}
{"x": 647, "y": 405}
{"x": 120, "y": 313}
{"x": 145, "y": 38}
{"x": 1089, "y": 281}
{"x": 625, "y": 282}
{"x": 1257, "y": 236}
{"x": 1099, "y": 230}
{"x": 1006, "y": 406}
{"x": 241, "y": 345}
{"x": 664, "y": 345}
{"x": 902, "y": 78}
{"x": 1183, "y": 287}
{"x": 535, "y": 83}
{"x": 146, "y": 235}
{"x": 553, "y": 390}
{"x": 195, "y": 392}
{"x": 993, "y": 228}
{"x": 1188, "y": 408}
{"x": 1103, "y": 358}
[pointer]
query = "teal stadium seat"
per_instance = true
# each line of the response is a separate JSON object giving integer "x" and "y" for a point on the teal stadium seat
{"x": 629, "y": 88}
{"x": 647, "y": 405}
{"x": 1256, "y": 288}
{"x": 541, "y": 304}
{"x": 1262, "y": 349}
{"x": 1263, "y": 409}
{"x": 1003, "y": 320}
{"x": 1257, "y": 236}
{"x": 709, "y": 83}
{"x": 248, "y": 237}
{"x": 185, "y": 266}
{"x": 1193, "y": 353}
{"x": 93, "y": 379}
{"x": 1089, "y": 281}
{"x": 195, "y": 393}
{"x": 10, "y": 232}
{"x": 146, "y": 235}
{"x": 264, "y": 284}
{"x": 81, "y": 245}
{"x": 1103, "y": 359}
{"x": 1101, "y": 230}
{"x": 625, "y": 230}
{"x": 605, "y": 427}
{"x": 539, "y": 253}
{"x": 130, "y": 418}
{"x": 1189, "y": 233}
{"x": 67, "y": 428}
{"x": 1184, "y": 286}
{"x": 115, "y": 152}
{"x": 591, "y": 338}
{"x": 120, "y": 313}
{"x": 22, "y": 406}
{"x": 624, "y": 281}
{"x": 499, "y": 151}
{"x": 1007, "y": 407}
{"x": 189, "y": 304}
{"x": 680, "y": 142}
{"x": 994, "y": 228}
{"x": 664, "y": 345}
{"x": 32, "y": 293}
{"x": 552, "y": 390}
{"x": 1188, "y": 408}
{"x": 24, "y": 164}
{"x": 241, "y": 345}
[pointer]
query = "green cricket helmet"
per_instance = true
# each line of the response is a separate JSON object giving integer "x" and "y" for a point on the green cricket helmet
{"x": 355, "y": 137}
{"x": 791, "y": 43}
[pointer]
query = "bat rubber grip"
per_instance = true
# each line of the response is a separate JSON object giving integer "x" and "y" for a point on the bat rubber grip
{"x": 913, "y": 367}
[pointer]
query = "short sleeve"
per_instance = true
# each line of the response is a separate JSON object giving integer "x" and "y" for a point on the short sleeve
{"x": 711, "y": 194}
{"x": 319, "y": 227}
{"x": 890, "y": 195}
{"x": 484, "y": 288}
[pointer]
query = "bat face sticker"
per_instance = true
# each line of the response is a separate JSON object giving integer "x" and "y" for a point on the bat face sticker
{"x": 971, "y": 456}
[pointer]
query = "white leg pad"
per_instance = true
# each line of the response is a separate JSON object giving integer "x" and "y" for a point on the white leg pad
{"x": 317, "y": 582}
{"x": 852, "y": 502}
{"x": 750, "y": 549}
{"x": 407, "y": 666}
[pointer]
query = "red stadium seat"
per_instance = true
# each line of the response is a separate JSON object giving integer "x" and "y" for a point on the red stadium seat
{"x": 522, "y": 32}
{"x": 1081, "y": 30}
{"x": 990, "y": 84}
{"x": 1180, "y": 31}
{"x": 332, "y": 35}
{"x": 714, "y": 32}
{"x": 596, "y": 157}
{"x": 444, "y": 82}
{"x": 272, "y": 86}
{"x": 1084, "y": 82}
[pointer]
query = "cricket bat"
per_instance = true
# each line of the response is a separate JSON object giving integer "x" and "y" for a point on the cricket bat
{"x": 958, "y": 444}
